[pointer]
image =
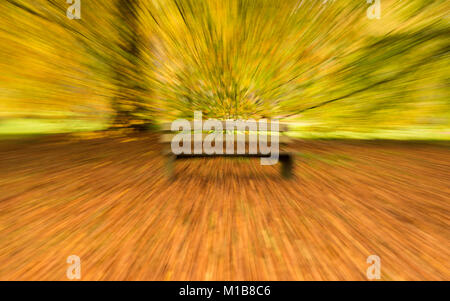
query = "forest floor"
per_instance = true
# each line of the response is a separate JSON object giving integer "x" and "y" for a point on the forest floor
{"x": 107, "y": 201}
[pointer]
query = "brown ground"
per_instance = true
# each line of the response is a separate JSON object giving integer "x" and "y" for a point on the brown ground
{"x": 107, "y": 201}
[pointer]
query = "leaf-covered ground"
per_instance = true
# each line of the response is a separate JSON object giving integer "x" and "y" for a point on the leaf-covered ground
{"x": 107, "y": 201}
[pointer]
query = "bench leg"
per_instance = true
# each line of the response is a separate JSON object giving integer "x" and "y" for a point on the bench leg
{"x": 170, "y": 166}
{"x": 287, "y": 166}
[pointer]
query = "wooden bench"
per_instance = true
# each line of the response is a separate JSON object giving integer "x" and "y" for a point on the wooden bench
{"x": 285, "y": 157}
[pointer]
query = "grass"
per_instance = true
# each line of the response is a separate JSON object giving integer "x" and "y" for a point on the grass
{"x": 15, "y": 127}
{"x": 407, "y": 133}
{"x": 12, "y": 128}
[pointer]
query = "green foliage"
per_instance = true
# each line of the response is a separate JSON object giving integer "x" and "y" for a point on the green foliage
{"x": 322, "y": 63}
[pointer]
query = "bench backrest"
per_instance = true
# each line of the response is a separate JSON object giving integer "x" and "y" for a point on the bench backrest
{"x": 255, "y": 128}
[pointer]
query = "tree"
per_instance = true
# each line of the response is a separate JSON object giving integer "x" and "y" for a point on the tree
{"x": 128, "y": 103}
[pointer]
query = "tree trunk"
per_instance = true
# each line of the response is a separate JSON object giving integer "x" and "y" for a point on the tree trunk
{"x": 128, "y": 104}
